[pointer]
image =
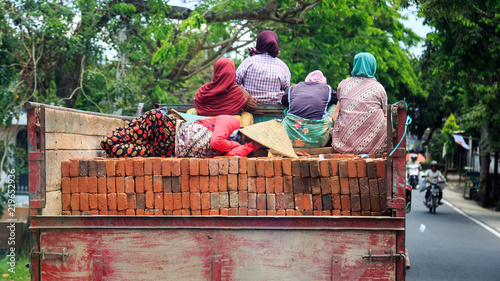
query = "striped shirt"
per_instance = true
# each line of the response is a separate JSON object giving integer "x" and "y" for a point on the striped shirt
{"x": 266, "y": 78}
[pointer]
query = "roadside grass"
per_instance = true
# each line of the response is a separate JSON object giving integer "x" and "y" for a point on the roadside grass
{"x": 21, "y": 272}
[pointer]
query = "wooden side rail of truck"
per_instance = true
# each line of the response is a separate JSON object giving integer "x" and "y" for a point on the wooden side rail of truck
{"x": 199, "y": 247}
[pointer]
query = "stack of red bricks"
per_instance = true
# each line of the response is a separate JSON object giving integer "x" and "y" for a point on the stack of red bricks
{"x": 234, "y": 186}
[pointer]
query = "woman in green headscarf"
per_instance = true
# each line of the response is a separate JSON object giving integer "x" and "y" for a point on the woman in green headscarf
{"x": 360, "y": 123}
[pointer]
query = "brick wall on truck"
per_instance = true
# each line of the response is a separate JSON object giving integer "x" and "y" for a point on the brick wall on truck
{"x": 234, "y": 186}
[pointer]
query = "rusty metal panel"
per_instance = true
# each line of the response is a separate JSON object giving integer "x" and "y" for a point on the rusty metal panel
{"x": 188, "y": 254}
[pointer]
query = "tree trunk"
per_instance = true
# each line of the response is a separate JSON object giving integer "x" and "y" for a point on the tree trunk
{"x": 67, "y": 77}
{"x": 484, "y": 161}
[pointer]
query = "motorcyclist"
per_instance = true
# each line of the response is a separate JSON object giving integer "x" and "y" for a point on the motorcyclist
{"x": 433, "y": 175}
{"x": 410, "y": 168}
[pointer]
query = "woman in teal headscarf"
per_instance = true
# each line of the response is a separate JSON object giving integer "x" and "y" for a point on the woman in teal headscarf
{"x": 360, "y": 119}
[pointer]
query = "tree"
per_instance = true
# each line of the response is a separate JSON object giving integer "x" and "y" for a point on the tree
{"x": 463, "y": 51}
{"x": 450, "y": 126}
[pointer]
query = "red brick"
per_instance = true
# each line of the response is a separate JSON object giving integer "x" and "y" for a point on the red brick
{"x": 242, "y": 211}
{"x": 345, "y": 213}
{"x": 213, "y": 167}
{"x": 214, "y": 201}
{"x": 84, "y": 202}
{"x": 278, "y": 167}
{"x": 74, "y": 185}
{"x": 278, "y": 184}
{"x": 271, "y": 201}
{"x": 299, "y": 202}
{"x": 371, "y": 169}
{"x": 260, "y": 167}
{"x": 176, "y": 184}
{"x": 289, "y": 201}
{"x": 270, "y": 185}
{"x": 271, "y": 213}
{"x": 353, "y": 186}
{"x": 324, "y": 168}
{"x": 344, "y": 186}
{"x": 195, "y": 201}
{"x": 380, "y": 164}
{"x": 308, "y": 213}
{"x": 74, "y": 168}
{"x": 360, "y": 168}
{"x": 334, "y": 167}
{"x": 304, "y": 168}
{"x": 194, "y": 166}
{"x": 224, "y": 212}
{"x": 308, "y": 202}
{"x": 111, "y": 185}
{"x": 357, "y": 214}
{"x": 150, "y": 199}
{"x": 336, "y": 212}
{"x": 307, "y": 184}
{"x": 131, "y": 201}
{"x": 343, "y": 169}
{"x": 280, "y": 201}
{"x": 112, "y": 201}
{"x": 325, "y": 187}
{"x": 94, "y": 212}
{"x": 352, "y": 169}
{"x": 224, "y": 199}
{"x": 140, "y": 201}
{"x": 66, "y": 202}
{"x": 185, "y": 212}
{"x": 363, "y": 186}
{"x": 129, "y": 166}
{"x": 223, "y": 166}
{"x": 127, "y": 186}
{"x": 159, "y": 200}
{"x": 290, "y": 212}
{"x": 76, "y": 213}
{"x": 382, "y": 186}
{"x": 336, "y": 204}
{"x": 130, "y": 212}
{"x": 281, "y": 213}
{"x": 148, "y": 166}
{"x": 184, "y": 183}
{"x": 299, "y": 213}
{"x": 214, "y": 212}
{"x": 243, "y": 165}
{"x": 83, "y": 185}
{"x": 327, "y": 202}
{"x": 314, "y": 168}
{"x": 205, "y": 212}
{"x": 92, "y": 168}
{"x": 194, "y": 183}
{"x": 286, "y": 165}
{"x": 120, "y": 184}
{"x": 156, "y": 163}
{"x": 213, "y": 184}
{"x": 317, "y": 203}
{"x": 252, "y": 212}
{"x": 252, "y": 200}
{"x": 252, "y": 167}
{"x": 317, "y": 213}
{"x": 345, "y": 202}
{"x": 375, "y": 203}
{"x": 242, "y": 182}
{"x": 166, "y": 167}
{"x": 167, "y": 184}
{"x": 66, "y": 185}
{"x": 102, "y": 202}
{"x": 203, "y": 167}
{"x": 168, "y": 203}
{"x": 139, "y": 167}
{"x": 232, "y": 182}
{"x": 355, "y": 203}
{"x": 101, "y": 168}
{"x": 93, "y": 202}
{"x": 175, "y": 167}
{"x": 252, "y": 184}
{"x": 139, "y": 212}
{"x": 65, "y": 167}
{"x": 121, "y": 201}
{"x": 261, "y": 201}
{"x": 177, "y": 201}
{"x": 205, "y": 201}
{"x": 373, "y": 185}
{"x": 223, "y": 183}
{"x": 287, "y": 184}
{"x": 185, "y": 166}
{"x": 92, "y": 184}
{"x": 269, "y": 168}
{"x": 204, "y": 183}
{"x": 233, "y": 212}
{"x": 297, "y": 184}
{"x": 110, "y": 168}
{"x": 242, "y": 199}
{"x": 234, "y": 165}
{"x": 261, "y": 213}
{"x": 185, "y": 197}
{"x": 261, "y": 184}
{"x": 112, "y": 212}
{"x": 365, "y": 202}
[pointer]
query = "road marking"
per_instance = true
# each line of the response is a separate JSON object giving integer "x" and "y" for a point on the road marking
{"x": 480, "y": 223}
{"x": 422, "y": 228}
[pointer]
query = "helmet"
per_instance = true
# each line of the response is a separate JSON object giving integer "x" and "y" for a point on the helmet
{"x": 434, "y": 163}
{"x": 414, "y": 157}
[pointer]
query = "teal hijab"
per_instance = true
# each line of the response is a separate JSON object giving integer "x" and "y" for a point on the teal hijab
{"x": 364, "y": 65}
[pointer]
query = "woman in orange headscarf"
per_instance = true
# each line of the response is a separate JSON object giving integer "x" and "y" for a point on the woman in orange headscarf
{"x": 222, "y": 96}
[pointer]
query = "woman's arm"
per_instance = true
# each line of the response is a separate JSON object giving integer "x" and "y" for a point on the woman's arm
{"x": 336, "y": 112}
{"x": 224, "y": 126}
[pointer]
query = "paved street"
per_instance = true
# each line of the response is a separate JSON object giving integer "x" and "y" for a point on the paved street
{"x": 448, "y": 245}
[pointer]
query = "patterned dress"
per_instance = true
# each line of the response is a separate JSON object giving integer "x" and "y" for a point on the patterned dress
{"x": 361, "y": 126}
{"x": 152, "y": 134}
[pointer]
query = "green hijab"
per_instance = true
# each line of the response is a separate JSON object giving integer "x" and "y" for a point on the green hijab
{"x": 364, "y": 65}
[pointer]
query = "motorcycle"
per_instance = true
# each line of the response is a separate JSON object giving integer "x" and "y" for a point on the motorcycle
{"x": 432, "y": 200}
{"x": 413, "y": 172}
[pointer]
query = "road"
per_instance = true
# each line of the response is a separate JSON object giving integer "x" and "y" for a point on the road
{"x": 449, "y": 246}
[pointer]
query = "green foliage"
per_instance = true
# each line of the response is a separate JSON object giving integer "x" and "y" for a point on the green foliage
{"x": 21, "y": 271}
{"x": 450, "y": 126}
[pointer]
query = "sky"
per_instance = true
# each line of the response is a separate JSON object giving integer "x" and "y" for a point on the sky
{"x": 416, "y": 24}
